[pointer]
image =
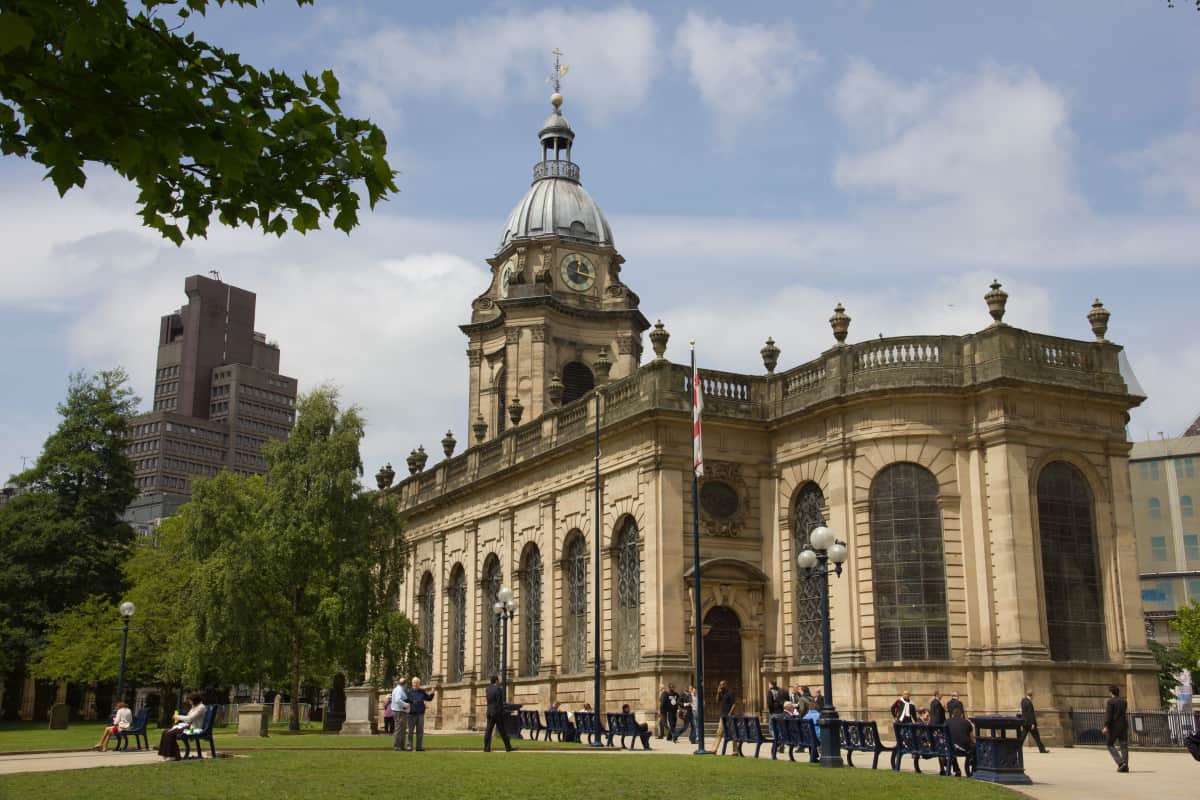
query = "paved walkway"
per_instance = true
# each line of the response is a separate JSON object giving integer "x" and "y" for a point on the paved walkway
{"x": 1063, "y": 774}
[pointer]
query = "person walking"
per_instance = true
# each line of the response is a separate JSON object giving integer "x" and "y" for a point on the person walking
{"x": 400, "y": 716}
{"x": 1116, "y": 728}
{"x": 937, "y": 711}
{"x": 495, "y": 716}
{"x": 668, "y": 701}
{"x": 1029, "y": 715}
{"x": 417, "y": 698}
{"x": 727, "y": 701}
{"x": 687, "y": 709}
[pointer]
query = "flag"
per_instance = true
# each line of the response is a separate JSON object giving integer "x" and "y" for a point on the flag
{"x": 697, "y": 408}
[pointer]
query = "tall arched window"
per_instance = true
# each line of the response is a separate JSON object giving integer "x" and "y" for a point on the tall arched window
{"x": 628, "y": 622}
{"x": 809, "y": 514}
{"x": 425, "y": 611}
{"x": 457, "y": 603}
{"x": 490, "y": 595}
{"x": 575, "y": 619}
{"x": 1070, "y": 565}
{"x": 907, "y": 566}
{"x": 577, "y": 381}
{"x": 531, "y": 611}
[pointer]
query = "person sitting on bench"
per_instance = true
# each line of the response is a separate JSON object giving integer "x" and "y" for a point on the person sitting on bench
{"x": 962, "y": 737}
{"x": 168, "y": 745}
{"x": 122, "y": 720}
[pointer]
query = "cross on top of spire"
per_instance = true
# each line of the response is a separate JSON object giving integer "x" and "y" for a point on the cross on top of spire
{"x": 560, "y": 70}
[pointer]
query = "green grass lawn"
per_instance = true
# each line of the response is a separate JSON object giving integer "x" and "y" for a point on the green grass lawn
{"x": 318, "y": 774}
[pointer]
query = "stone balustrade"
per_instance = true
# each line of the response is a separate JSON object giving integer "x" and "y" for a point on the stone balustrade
{"x": 912, "y": 362}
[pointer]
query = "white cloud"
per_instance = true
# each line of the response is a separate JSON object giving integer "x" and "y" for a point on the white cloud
{"x": 1169, "y": 168}
{"x": 483, "y": 61}
{"x": 743, "y": 71}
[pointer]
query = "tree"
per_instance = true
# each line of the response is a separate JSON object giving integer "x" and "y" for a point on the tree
{"x": 1188, "y": 625}
{"x": 63, "y": 539}
{"x": 294, "y": 573}
{"x": 1170, "y": 664}
{"x": 200, "y": 133}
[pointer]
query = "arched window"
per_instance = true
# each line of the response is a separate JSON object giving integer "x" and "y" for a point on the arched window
{"x": 531, "y": 611}
{"x": 628, "y": 622}
{"x": 1070, "y": 565}
{"x": 490, "y": 595}
{"x": 577, "y": 381}
{"x": 809, "y": 514}
{"x": 425, "y": 611}
{"x": 575, "y": 619}
{"x": 457, "y": 602}
{"x": 907, "y": 566}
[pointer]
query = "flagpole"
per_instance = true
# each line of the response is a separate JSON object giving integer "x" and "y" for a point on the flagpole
{"x": 697, "y": 635}
{"x": 596, "y": 570}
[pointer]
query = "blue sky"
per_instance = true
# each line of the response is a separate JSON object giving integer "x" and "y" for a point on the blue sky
{"x": 758, "y": 162}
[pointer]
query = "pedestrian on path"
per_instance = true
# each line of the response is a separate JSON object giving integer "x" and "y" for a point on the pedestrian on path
{"x": 1029, "y": 715}
{"x": 1116, "y": 728}
{"x": 495, "y": 716}
{"x": 727, "y": 701}
{"x": 417, "y": 698}
{"x": 400, "y": 709}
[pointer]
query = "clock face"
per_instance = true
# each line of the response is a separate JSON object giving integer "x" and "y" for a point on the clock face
{"x": 506, "y": 274}
{"x": 578, "y": 272}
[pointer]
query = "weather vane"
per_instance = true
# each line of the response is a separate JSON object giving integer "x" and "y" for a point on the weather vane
{"x": 560, "y": 70}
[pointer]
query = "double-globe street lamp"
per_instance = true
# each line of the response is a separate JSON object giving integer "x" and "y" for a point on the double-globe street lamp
{"x": 814, "y": 561}
{"x": 127, "y": 609}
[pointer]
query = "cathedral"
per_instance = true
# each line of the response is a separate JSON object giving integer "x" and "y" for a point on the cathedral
{"x": 979, "y": 481}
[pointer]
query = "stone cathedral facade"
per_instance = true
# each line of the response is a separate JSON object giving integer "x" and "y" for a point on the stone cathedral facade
{"x": 979, "y": 480}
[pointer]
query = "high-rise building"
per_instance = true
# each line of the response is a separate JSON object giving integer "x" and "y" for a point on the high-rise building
{"x": 218, "y": 398}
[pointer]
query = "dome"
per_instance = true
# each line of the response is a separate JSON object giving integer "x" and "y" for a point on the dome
{"x": 557, "y": 206}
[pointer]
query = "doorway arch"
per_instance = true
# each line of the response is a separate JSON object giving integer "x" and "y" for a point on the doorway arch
{"x": 722, "y": 657}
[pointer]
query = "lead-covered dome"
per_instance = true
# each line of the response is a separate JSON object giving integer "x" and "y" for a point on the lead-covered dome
{"x": 556, "y": 204}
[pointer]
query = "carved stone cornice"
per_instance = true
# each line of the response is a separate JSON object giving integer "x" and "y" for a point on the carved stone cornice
{"x": 538, "y": 332}
{"x": 512, "y": 336}
{"x": 474, "y": 357}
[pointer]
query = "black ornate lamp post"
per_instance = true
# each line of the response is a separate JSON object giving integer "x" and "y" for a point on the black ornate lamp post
{"x": 814, "y": 562}
{"x": 505, "y": 609}
{"x": 127, "y": 609}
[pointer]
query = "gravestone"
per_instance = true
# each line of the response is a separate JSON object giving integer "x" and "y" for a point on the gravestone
{"x": 360, "y": 711}
{"x": 253, "y": 719}
{"x": 59, "y": 714}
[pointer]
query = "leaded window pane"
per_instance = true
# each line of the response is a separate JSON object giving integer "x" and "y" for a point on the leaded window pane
{"x": 575, "y": 628}
{"x": 531, "y": 612}
{"x": 458, "y": 623}
{"x": 425, "y": 609}
{"x": 629, "y": 590}
{"x": 810, "y": 504}
{"x": 1070, "y": 566}
{"x": 907, "y": 565}
{"x": 491, "y": 624}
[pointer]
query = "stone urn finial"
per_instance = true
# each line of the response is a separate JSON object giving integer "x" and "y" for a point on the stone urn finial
{"x": 413, "y": 469}
{"x": 996, "y": 299}
{"x": 770, "y": 355}
{"x": 840, "y": 323}
{"x": 422, "y": 457}
{"x": 555, "y": 390}
{"x": 448, "y": 444}
{"x": 1098, "y": 316}
{"x": 602, "y": 366}
{"x": 480, "y": 428}
{"x": 385, "y": 476}
{"x": 516, "y": 411}
{"x": 658, "y": 340}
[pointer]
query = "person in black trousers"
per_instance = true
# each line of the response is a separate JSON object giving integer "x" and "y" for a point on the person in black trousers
{"x": 1116, "y": 728}
{"x": 687, "y": 707}
{"x": 937, "y": 711}
{"x": 1030, "y": 717}
{"x": 667, "y": 702}
{"x": 495, "y": 716}
{"x": 954, "y": 703}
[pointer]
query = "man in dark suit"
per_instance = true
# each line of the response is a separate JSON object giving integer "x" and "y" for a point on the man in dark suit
{"x": 1030, "y": 717}
{"x": 937, "y": 711}
{"x": 954, "y": 703}
{"x": 495, "y": 716}
{"x": 667, "y": 702}
{"x": 1116, "y": 728}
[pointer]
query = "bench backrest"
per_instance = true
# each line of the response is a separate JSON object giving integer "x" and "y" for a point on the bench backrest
{"x": 587, "y": 721}
{"x": 796, "y": 732}
{"x": 860, "y": 734}
{"x": 530, "y": 720}
{"x": 139, "y": 720}
{"x": 921, "y": 739}
{"x": 557, "y": 721}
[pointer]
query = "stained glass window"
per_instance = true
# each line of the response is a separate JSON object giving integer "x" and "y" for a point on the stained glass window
{"x": 907, "y": 565}
{"x": 531, "y": 611}
{"x": 575, "y": 621}
{"x": 458, "y": 623}
{"x": 810, "y": 514}
{"x": 628, "y": 630}
{"x": 491, "y": 625}
{"x": 1070, "y": 565}
{"x": 425, "y": 612}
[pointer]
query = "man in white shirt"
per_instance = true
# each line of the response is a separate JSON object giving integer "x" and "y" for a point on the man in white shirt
{"x": 400, "y": 709}
{"x": 904, "y": 710}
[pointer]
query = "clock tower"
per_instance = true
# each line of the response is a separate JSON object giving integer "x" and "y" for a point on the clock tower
{"x": 556, "y": 320}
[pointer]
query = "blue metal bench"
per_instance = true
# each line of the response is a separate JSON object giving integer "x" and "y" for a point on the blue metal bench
{"x": 858, "y": 736}
{"x": 625, "y": 726}
{"x": 137, "y": 730}
{"x": 203, "y": 734}
{"x": 742, "y": 730}
{"x": 531, "y": 722}
{"x": 587, "y": 723}
{"x": 559, "y": 722}
{"x": 795, "y": 733}
{"x": 923, "y": 741}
